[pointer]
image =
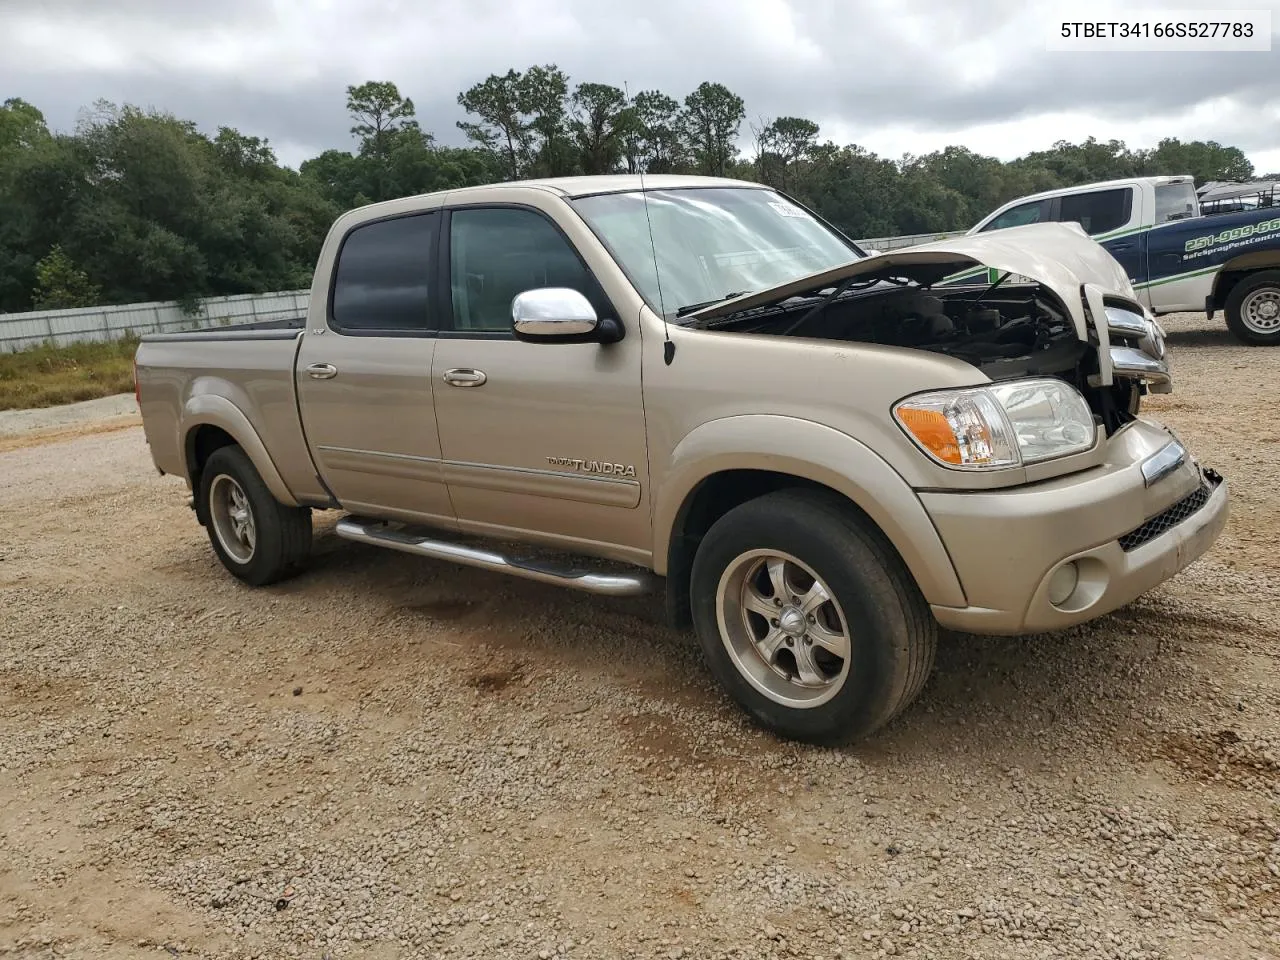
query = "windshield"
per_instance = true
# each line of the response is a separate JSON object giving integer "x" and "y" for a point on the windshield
{"x": 1175, "y": 201}
{"x": 711, "y": 242}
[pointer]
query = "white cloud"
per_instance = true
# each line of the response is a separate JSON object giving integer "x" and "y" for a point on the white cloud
{"x": 893, "y": 75}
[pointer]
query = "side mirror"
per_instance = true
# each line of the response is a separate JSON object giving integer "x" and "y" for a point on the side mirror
{"x": 870, "y": 252}
{"x": 561, "y": 315}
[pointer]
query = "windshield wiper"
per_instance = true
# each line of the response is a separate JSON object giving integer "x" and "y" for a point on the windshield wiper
{"x": 694, "y": 307}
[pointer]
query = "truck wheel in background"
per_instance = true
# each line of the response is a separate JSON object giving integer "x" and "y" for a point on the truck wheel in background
{"x": 809, "y": 618}
{"x": 1253, "y": 309}
{"x": 256, "y": 537}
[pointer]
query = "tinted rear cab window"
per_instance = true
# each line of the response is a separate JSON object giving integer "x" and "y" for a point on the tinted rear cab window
{"x": 382, "y": 280}
{"x": 1097, "y": 211}
{"x": 1175, "y": 201}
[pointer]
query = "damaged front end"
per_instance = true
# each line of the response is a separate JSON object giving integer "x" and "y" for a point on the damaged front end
{"x": 1057, "y": 305}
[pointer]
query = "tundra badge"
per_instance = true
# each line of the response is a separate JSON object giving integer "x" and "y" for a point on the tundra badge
{"x": 593, "y": 466}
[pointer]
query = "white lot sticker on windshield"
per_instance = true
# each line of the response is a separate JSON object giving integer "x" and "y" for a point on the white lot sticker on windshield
{"x": 788, "y": 209}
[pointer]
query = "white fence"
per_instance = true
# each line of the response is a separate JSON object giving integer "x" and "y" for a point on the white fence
{"x": 885, "y": 244}
{"x": 61, "y": 327}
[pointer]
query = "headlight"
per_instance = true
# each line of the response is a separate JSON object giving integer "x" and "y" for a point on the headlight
{"x": 1001, "y": 425}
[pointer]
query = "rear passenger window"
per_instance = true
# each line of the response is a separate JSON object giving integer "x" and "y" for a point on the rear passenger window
{"x": 383, "y": 273}
{"x": 1099, "y": 210}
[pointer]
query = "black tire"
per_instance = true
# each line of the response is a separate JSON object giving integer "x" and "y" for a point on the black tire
{"x": 282, "y": 534}
{"x": 892, "y": 632}
{"x": 1237, "y": 323}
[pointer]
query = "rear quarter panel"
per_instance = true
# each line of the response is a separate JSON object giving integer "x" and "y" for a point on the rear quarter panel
{"x": 242, "y": 384}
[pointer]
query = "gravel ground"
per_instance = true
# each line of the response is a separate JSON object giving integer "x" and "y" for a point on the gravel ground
{"x": 439, "y": 762}
{"x": 17, "y": 422}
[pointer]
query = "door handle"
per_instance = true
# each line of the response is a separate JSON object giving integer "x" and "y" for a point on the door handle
{"x": 322, "y": 371}
{"x": 464, "y": 377}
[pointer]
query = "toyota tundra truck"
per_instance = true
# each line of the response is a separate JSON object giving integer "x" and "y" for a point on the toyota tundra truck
{"x": 698, "y": 386}
{"x": 1177, "y": 258}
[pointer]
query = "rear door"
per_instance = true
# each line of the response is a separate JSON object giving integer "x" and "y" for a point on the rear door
{"x": 1113, "y": 217}
{"x": 364, "y": 378}
{"x": 541, "y": 441}
{"x": 1102, "y": 213}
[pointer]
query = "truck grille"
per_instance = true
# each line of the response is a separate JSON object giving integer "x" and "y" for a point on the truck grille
{"x": 1166, "y": 520}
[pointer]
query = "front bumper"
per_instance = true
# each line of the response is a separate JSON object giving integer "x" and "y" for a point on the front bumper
{"x": 1125, "y": 531}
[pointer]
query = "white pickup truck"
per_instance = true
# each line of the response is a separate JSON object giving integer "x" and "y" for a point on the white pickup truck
{"x": 1176, "y": 258}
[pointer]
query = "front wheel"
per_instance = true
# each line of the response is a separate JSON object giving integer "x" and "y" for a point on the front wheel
{"x": 1253, "y": 309}
{"x": 809, "y": 619}
{"x": 257, "y": 538}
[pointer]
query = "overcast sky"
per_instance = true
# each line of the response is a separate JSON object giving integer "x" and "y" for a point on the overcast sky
{"x": 893, "y": 75}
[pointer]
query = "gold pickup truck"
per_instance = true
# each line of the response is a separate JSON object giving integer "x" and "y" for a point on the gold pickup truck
{"x": 697, "y": 385}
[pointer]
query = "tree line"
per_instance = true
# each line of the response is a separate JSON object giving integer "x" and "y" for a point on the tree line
{"x": 139, "y": 205}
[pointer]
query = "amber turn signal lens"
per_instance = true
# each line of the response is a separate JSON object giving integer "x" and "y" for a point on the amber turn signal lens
{"x": 931, "y": 429}
{"x": 959, "y": 428}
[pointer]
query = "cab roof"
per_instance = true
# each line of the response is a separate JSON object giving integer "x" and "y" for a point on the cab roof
{"x": 1104, "y": 185}
{"x": 568, "y": 187}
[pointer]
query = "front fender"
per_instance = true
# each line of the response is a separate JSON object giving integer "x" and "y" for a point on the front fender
{"x": 218, "y": 411}
{"x": 812, "y": 451}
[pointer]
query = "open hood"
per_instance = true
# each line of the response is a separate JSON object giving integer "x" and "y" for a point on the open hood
{"x": 1061, "y": 256}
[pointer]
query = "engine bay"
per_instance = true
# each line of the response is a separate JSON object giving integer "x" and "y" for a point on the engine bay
{"x": 1009, "y": 335}
{"x": 1018, "y": 331}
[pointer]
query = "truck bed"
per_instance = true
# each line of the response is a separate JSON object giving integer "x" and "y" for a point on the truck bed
{"x": 225, "y": 375}
{"x": 286, "y": 328}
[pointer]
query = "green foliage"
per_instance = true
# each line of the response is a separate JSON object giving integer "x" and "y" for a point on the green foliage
{"x": 601, "y": 123}
{"x": 47, "y": 375}
{"x": 21, "y": 125}
{"x": 148, "y": 208}
{"x": 60, "y": 285}
{"x": 523, "y": 120}
{"x": 1205, "y": 160}
{"x": 140, "y": 205}
{"x": 779, "y": 144}
{"x": 658, "y": 142}
{"x": 712, "y": 116}
{"x": 379, "y": 112}
{"x": 502, "y": 127}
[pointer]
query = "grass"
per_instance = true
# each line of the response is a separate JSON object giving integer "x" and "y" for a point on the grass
{"x": 46, "y": 376}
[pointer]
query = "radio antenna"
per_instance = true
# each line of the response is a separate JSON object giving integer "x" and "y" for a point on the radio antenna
{"x": 668, "y": 345}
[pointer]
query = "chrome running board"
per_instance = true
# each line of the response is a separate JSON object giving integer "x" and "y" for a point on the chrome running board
{"x": 380, "y": 534}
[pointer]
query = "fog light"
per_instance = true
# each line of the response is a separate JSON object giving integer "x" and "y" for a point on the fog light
{"x": 1063, "y": 583}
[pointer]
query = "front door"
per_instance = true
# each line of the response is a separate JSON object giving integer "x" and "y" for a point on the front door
{"x": 364, "y": 379}
{"x": 541, "y": 442}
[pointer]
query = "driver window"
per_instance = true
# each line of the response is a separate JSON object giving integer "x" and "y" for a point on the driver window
{"x": 1019, "y": 216}
{"x": 496, "y": 253}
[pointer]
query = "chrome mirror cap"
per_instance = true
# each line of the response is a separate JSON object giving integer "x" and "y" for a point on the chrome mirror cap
{"x": 553, "y": 312}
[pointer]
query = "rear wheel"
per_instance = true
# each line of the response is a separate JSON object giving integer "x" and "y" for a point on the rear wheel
{"x": 257, "y": 538}
{"x": 809, "y": 619}
{"x": 1253, "y": 309}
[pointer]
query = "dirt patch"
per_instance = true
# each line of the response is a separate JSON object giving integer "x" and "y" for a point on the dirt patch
{"x": 1220, "y": 757}
{"x": 493, "y": 679}
{"x": 36, "y": 438}
{"x": 445, "y": 609}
